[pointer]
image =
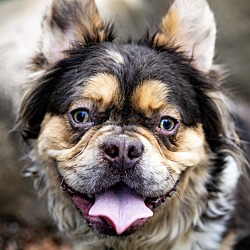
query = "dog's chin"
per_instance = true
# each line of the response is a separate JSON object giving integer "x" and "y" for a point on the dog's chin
{"x": 117, "y": 211}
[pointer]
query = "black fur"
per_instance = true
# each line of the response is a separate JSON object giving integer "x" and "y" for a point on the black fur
{"x": 55, "y": 91}
{"x": 189, "y": 88}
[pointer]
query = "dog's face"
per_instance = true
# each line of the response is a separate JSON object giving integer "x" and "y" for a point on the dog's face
{"x": 119, "y": 128}
{"x": 120, "y": 135}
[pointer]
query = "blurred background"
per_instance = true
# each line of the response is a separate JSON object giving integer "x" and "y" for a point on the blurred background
{"x": 24, "y": 222}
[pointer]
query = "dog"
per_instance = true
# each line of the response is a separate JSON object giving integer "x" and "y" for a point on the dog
{"x": 133, "y": 143}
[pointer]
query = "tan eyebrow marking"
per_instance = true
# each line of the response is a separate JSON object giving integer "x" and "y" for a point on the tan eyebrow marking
{"x": 150, "y": 96}
{"x": 102, "y": 89}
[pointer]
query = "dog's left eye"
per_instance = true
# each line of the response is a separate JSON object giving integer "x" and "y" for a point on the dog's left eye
{"x": 168, "y": 125}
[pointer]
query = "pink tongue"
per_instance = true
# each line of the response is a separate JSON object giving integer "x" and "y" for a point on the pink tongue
{"x": 121, "y": 207}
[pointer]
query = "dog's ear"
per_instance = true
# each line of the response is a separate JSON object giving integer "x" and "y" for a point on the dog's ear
{"x": 66, "y": 23}
{"x": 190, "y": 27}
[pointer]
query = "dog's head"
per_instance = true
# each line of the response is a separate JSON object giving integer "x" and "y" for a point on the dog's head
{"x": 122, "y": 132}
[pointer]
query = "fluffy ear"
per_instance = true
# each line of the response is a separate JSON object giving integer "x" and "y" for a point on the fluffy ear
{"x": 190, "y": 26}
{"x": 69, "y": 22}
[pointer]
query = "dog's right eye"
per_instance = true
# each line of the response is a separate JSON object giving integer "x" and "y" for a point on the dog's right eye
{"x": 80, "y": 116}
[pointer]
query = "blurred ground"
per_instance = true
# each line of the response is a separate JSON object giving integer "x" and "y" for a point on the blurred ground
{"x": 24, "y": 221}
{"x": 15, "y": 236}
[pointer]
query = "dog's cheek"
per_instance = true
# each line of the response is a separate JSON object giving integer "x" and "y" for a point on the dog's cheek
{"x": 161, "y": 168}
{"x": 54, "y": 141}
{"x": 155, "y": 174}
{"x": 55, "y": 149}
{"x": 191, "y": 149}
{"x": 81, "y": 161}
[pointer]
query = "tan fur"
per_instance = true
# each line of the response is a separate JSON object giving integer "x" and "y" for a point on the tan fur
{"x": 51, "y": 144}
{"x": 103, "y": 90}
{"x": 55, "y": 41}
{"x": 170, "y": 27}
{"x": 228, "y": 242}
{"x": 191, "y": 32}
{"x": 190, "y": 152}
{"x": 179, "y": 222}
{"x": 55, "y": 137}
{"x": 150, "y": 97}
{"x": 191, "y": 147}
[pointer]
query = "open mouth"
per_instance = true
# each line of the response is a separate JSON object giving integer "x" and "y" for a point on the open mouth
{"x": 118, "y": 211}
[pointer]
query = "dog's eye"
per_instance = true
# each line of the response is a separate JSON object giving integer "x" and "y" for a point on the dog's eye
{"x": 80, "y": 119}
{"x": 80, "y": 116}
{"x": 168, "y": 125}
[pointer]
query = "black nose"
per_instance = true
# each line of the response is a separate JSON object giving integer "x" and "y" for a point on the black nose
{"x": 122, "y": 154}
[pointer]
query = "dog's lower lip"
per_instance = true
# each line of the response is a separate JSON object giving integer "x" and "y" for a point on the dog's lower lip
{"x": 154, "y": 202}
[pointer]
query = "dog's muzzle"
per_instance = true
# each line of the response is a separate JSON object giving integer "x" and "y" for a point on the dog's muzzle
{"x": 118, "y": 209}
